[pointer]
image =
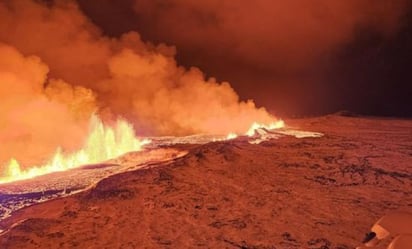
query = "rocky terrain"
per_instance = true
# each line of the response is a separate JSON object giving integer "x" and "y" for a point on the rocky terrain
{"x": 318, "y": 193}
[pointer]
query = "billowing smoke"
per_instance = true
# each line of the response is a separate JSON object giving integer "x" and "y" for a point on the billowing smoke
{"x": 56, "y": 69}
{"x": 35, "y": 119}
{"x": 276, "y": 52}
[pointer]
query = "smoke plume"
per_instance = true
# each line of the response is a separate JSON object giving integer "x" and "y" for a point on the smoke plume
{"x": 35, "y": 119}
{"x": 280, "y": 53}
{"x": 56, "y": 69}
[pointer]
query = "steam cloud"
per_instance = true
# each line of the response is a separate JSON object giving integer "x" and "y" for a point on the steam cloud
{"x": 56, "y": 69}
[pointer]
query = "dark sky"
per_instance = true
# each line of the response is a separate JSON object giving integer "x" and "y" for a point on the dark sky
{"x": 293, "y": 58}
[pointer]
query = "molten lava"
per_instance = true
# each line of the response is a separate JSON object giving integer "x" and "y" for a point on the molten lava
{"x": 102, "y": 143}
{"x": 255, "y": 126}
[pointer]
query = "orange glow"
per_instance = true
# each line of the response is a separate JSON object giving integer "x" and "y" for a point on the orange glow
{"x": 252, "y": 129}
{"x": 231, "y": 136}
{"x": 102, "y": 143}
{"x": 275, "y": 125}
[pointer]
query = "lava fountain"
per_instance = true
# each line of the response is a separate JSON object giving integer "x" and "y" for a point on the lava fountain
{"x": 102, "y": 143}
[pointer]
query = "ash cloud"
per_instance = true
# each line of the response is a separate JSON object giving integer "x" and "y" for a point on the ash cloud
{"x": 57, "y": 68}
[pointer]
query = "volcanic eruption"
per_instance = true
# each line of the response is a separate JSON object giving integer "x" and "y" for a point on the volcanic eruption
{"x": 119, "y": 127}
{"x": 57, "y": 69}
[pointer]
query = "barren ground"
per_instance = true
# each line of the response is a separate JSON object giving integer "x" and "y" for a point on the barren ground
{"x": 321, "y": 193}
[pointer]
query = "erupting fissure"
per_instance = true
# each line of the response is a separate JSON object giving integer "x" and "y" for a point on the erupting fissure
{"x": 103, "y": 143}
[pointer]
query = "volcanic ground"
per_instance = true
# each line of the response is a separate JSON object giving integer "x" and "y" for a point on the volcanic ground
{"x": 314, "y": 192}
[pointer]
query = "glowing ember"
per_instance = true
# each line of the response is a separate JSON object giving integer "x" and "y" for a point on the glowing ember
{"x": 103, "y": 143}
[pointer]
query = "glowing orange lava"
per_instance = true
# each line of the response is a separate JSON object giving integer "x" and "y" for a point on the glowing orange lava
{"x": 255, "y": 126}
{"x": 103, "y": 143}
{"x": 253, "y": 129}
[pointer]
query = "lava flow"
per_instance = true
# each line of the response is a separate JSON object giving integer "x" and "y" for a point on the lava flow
{"x": 102, "y": 143}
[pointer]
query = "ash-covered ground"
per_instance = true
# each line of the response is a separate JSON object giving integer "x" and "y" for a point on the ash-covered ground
{"x": 271, "y": 191}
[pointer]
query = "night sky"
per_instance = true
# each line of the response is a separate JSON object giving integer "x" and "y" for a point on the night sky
{"x": 295, "y": 60}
